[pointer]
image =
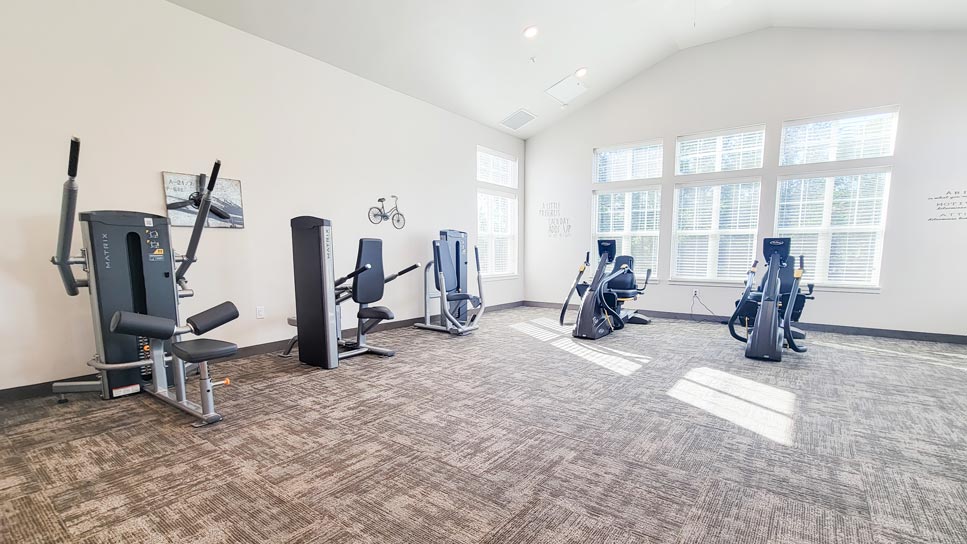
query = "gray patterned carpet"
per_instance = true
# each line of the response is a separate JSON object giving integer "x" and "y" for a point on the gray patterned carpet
{"x": 518, "y": 433}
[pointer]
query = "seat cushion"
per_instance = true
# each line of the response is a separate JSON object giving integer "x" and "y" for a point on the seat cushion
{"x": 202, "y": 349}
{"x": 625, "y": 293}
{"x": 453, "y": 297}
{"x": 375, "y": 312}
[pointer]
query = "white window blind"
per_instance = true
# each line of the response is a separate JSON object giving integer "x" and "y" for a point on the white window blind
{"x": 725, "y": 151}
{"x": 837, "y": 223}
{"x": 715, "y": 230}
{"x": 633, "y": 219}
{"x": 496, "y": 167}
{"x": 849, "y": 136}
{"x": 497, "y": 233}
{"x": 634, "y": 162}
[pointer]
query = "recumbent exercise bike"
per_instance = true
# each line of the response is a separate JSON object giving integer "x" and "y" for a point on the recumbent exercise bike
{"x": 769, "y": 312}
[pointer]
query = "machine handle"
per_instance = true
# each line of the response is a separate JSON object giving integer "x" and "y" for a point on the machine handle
{"x": 647, "y": 277}
{"x": 74, "y": 157}
{"x": 200, "y": 220}
{"x": 213, "y": 317}
{"x": 353, "y": 274}
{"x": 151, "y": 326}
{"x": 214, "y": 177}
{"x": 65, "y": 232}
{"x": 410, "y": 268}
{"x": 802, "y": 265}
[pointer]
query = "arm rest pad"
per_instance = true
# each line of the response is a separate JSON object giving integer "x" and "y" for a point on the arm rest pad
{"x": 151, "y": 326}
{"x": 213, "y": 317}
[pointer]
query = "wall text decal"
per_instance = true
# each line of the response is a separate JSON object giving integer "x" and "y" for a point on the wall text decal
{"x": 557, "y": 225}
{"x": 951, "y": 205}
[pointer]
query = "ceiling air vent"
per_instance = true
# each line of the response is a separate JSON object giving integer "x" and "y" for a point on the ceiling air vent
{"x": 518, "y": 119}
{"x": 566, "y": 90}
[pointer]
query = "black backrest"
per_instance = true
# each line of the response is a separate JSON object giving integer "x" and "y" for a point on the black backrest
{"x": 443, "y": 262}
{"x": 368, "y": 286}
{"x": 624, "y": 281}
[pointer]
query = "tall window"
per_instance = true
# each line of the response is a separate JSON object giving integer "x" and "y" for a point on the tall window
{"x": 858, "y": 135}
{"x": 496, "y": 212}
{"x": 715, "y": 230}
{"x": 627, "y": 163}
{"x": 633, "y": 219}
{"x": 836, "y": 218}
{"x": 837, "y": 223}
{"x": 722, "y": 151}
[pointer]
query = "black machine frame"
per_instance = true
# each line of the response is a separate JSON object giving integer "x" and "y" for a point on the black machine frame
{"x": 768, "y": 314}
{"x": 131, "y": 271}
{"x": 601, "y": 309}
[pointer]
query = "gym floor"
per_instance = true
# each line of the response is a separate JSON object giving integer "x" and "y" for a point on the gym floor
{"x": 517, "y": 433}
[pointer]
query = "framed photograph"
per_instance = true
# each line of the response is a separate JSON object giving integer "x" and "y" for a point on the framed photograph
{"x": 183, "y": 196}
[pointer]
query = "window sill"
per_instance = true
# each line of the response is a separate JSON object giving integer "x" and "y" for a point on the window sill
{"x": 707, "y": 283}
{"x": 500, "y": 277}
{"x": 833, "y": 288}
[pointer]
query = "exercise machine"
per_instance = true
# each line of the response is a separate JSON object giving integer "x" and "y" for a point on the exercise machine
{"x": 445, "y": 279}
{"x": 319, "y": 295}
{"x": 768, "y": 313}
{"x": 601, "y": 310}
{"x": 134, "y": 293}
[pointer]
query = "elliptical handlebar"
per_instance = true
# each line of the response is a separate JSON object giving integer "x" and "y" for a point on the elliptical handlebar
{"x": 746, "y": 294}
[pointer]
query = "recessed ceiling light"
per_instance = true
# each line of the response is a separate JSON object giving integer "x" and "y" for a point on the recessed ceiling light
{"x": 530, "y": 32}
{"x": 581, "y": 72}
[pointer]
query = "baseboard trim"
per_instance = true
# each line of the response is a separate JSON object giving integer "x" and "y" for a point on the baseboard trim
{"x": 818, "y": 327}
{"x": 46, "y": 388}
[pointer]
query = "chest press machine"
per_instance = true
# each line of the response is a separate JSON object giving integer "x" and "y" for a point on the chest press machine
{"x": 319, "y": 295}
{"x": 134, "y": 294}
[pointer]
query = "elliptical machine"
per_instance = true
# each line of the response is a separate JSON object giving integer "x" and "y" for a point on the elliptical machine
{"x": 601, "y": 311}
{"x": 768, "y": 313}
{"x": 134, "y": 293}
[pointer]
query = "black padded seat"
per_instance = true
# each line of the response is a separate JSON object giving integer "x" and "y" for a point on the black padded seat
{"x": 452, "y": 297}
{"x": 202, "y": 349}
{"x": 375, "y": 312}
{"x": 622, "y": 293}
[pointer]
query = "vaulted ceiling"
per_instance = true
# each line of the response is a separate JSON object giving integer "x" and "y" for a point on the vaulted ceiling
{"x": 470, "y": 56}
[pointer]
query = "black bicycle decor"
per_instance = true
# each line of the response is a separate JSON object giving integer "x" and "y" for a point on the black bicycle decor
{"x": 378, "y": 214}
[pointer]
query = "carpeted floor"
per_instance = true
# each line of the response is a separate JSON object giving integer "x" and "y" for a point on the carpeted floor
{"x": 518, "y": 433}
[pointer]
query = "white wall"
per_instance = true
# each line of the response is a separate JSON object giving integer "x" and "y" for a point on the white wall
{"x": 149, "y": 86}
{"x": 768, "y": 77}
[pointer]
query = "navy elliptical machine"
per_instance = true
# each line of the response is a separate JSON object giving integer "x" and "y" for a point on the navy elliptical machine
{"x": 601, "y": 309}
{"x": 768, "y": 314}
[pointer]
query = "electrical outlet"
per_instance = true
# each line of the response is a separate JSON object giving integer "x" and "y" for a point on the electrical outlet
{"x": 260, "y": 312}
{"x": 695, "y": 293}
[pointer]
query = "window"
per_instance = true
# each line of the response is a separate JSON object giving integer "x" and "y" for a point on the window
{"x": 497, "y": 233}
{"x": 635, "y": 162}
{"x": 496, "y": 212}
{"x": 836, "y": 222}
{"x": 838, "y": 138}
{"x": 496, "y": 167}
{"x": 633, "y": 219}
{"x": 715, "y": 230}
{"x": 724, "y": 151}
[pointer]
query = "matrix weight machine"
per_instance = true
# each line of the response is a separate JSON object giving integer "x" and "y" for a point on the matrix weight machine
{"x": 768, "y": 313}
{"x": 134, "y": 294}
{"x": 319, "y": 295}
{"x": 445, "y": 279}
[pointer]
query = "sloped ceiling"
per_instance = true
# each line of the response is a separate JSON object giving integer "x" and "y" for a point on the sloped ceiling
{"x": 470, "y": 57}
